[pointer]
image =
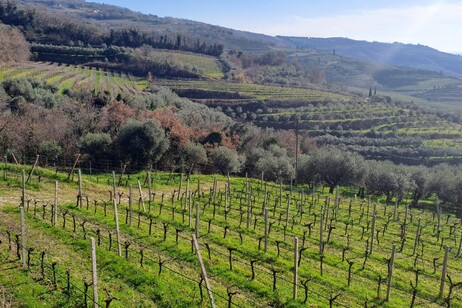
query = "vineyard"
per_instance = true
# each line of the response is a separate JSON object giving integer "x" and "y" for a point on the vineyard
{"x": 250, "y": 92}
{"x": 262, "y": 244}
{"x": 66, "y": 77}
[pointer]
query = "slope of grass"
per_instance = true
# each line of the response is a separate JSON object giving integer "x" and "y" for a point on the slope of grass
{"x": 162, "y": 231}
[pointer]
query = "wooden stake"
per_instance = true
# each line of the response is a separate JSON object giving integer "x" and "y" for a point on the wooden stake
{"x": 266, "y": 230}
{"x": 390, "y": 271}
{"x": 23, "y": 221}
{"x": 141, "y": 196}
{"x": 321, "y": 230}
{"x": 33, "y": 168}
{"x": 204, "y": 272}
{"x": 295, "y": 268}
{"x": 396, "y": 209}
{"x": 149, "y": 186}
{"x": 179, "y": 188}
{"x": 249, "y": 195}
{"x": 71, "y": 173}
{"x": 444, "y": 271}
{"x": 372, "y": 233}
{"x": 417, "y": 236}
{"x": 287, "y": 217}
{"x": 94, "y": 273}
{"x": 116, "y": 217}
{"x": 80, "y": 189}
{"x": 197, "y": 220}
{"x": 55, "y": 209}
{"x": 189, "y": 209}
{"x": 130, "y": 203}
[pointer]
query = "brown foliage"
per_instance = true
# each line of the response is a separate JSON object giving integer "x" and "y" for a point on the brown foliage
{"x": 114, "y": 116}
{"x": 179, "y": 132}
{"x": 13, "y": 45}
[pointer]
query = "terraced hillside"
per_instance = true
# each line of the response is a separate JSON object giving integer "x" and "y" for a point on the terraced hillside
{"x": 67, "y": 77}
{"x": 155, "y": 264}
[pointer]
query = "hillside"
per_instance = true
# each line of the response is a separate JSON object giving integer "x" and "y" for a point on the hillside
{"x": 396, "y": 54}
{"x": 340, "y": 256}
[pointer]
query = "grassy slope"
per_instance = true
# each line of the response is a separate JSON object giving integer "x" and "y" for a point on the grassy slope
{"x": 70, "y": 250}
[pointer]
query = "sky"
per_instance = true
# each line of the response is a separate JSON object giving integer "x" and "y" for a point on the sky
{"x": 434, "y": 23}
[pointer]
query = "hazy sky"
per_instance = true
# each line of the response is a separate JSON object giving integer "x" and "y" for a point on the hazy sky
{"x": 435, "y": 23}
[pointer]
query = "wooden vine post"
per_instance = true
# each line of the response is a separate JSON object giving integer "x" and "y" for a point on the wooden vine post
{"x": 372, "y": 233}
{"x": 130, "y": 203}
{"x": 321, "y": 232}
{"x": 55, "y": 203}
{"x": 266, "y": 230}
{"x": 149, "y": 186}
{"x": 141, "y": 196}
{"x": 390, "y": 271}
{"x": 23, "y": 220}
{"x": 116, "y": 215}
{"x": 444, "y": 271}
{"x": 80, "y": 196}
{"x": 71, "y": 173}
{"x": 417, "y": 236}
{"x": 94, "y": 273}
{"x": 203, "y": 271}
{"x": 197, "y": 220}
{"x": 33, "y": 168}
{"x": 287, "y": 216}
{"x": 295, "y": 268}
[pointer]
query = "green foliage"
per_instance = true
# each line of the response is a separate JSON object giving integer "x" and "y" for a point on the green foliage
{"x": 226, "y": 160}
{"x": 141, "y": 144}
{"x": 195, "y": 154}
{"x": 50, "y": 149}
{"x": 97, "y": 145}
{"x": 333, "y": 167}
{"x": 33, "y": 91}
{"x": 274, "y": 162}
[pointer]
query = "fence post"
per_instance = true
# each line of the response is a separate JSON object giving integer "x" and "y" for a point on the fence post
{"x": 204, "y": 272}
{"x": 94, "y": 273}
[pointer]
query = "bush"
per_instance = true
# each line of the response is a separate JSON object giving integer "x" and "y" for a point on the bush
{"x": 98, "y": 146}
{"x": 141, "y": 144}
{"x": 49, "y": 149}
{"x": 226, "y": 160}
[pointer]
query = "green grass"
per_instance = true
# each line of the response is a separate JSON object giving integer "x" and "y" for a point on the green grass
{"x": 252, "y": 293}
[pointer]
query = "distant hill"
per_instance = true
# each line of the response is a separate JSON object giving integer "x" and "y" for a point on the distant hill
{"x": 398, "y": 54}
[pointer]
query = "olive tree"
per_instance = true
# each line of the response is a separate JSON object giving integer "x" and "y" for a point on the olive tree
{"x": 141, "y": 143}
{"x": 226, "y": 160}
{"x": 333, "y": 167}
